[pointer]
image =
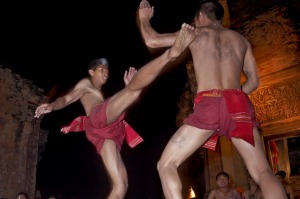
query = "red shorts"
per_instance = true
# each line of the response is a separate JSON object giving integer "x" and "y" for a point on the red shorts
{"x": 97, "y": 129}
{"x": 228, "y": 112}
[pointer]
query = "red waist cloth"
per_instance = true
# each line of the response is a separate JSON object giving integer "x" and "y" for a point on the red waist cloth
{"x": 228, "y": 112}
{"x": 97, "y": 130}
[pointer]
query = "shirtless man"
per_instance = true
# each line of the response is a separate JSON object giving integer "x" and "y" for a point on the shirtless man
{"x": 224, "y": 191}
{"x": 103, "y": 122}
{"x": 222, "y": 106}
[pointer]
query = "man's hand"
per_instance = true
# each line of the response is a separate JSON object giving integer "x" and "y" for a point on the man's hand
{"x": 43, "y": 109}
{"x": 146, "y": 11}
{"x": 128, "y": 75}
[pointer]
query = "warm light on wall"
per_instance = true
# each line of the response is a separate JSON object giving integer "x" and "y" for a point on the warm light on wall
{"x": 192, "y": 193}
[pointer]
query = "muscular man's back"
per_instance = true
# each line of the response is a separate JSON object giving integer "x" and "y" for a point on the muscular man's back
{"x": 218, "y": 56}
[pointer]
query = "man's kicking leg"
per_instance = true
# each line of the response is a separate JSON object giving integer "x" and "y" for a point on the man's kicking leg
{"x": 151, "y": 70}
{"x": 147, "y": 74}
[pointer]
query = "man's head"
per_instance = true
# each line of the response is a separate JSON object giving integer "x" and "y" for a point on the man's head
{"x": 222, "y": 173}
{"x": 281, "y": 175}
{"x": 22, "y": 195}
{"x": 51, "y": 197}
{"x": 98, "y": 71}
{"x": 212, "y": 9}
{"x": 97, "y": 62}
{"x": 222, "y": 179}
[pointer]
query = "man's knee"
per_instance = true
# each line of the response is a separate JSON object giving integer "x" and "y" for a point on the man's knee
{"x": 120, "y": 188}
{"x": 260, "y": 173}
{"x": 163, "y": 165}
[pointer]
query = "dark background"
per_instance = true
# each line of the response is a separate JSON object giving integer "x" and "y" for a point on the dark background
{"x": 51, "y": 43}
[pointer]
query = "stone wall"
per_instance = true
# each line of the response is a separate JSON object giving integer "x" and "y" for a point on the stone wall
{"x": 19, "y": 134}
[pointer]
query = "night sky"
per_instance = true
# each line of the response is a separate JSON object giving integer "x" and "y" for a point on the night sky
{"x": 52, "y": 43}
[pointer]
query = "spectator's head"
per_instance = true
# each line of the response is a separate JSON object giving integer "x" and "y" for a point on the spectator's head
{"x": 22, "y": 195}
{"x": 222, "y": 179}
{"x": 281, "y": 175}
{"x": 52, "y": 197}
{"x": 222, "y": 173}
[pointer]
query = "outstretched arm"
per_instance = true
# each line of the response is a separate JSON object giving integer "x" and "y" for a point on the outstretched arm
{"x": 152, "y": 38}
{"x": 61, "y": 102}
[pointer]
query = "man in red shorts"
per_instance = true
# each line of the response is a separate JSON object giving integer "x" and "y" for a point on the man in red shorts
{"x": 104, "y": 121}
{"x": 222, "y": 107}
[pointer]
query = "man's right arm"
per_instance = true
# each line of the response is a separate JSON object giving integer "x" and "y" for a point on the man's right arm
{"x": 76, "y": 93}
{"x": 152, "y": 38}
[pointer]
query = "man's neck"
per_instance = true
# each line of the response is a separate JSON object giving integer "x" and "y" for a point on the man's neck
{"x": 214, "y": 24}
{"x": 95, "y": 84}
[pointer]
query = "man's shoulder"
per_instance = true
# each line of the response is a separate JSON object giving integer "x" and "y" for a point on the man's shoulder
{"x": 84, "y": 81}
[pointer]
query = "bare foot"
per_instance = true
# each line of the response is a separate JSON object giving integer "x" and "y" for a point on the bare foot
{"x": 186, "y": 36}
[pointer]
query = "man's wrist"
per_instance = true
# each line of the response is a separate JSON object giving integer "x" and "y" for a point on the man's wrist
{"x": 52, "y": 104}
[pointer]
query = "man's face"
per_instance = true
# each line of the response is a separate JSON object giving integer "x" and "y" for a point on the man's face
{"x": 222, "y": 181}
{"x": 101, "y": 73}
{"x": 104, "y": 70}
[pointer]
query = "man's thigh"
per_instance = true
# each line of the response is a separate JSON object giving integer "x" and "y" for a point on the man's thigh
{"x": 119, "y": 102}
{"x": 112, "y": 159}
{"x": 186, "y": 140}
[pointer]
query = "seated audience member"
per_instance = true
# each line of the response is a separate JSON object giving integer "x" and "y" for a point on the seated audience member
{"x": 224, "y": 191}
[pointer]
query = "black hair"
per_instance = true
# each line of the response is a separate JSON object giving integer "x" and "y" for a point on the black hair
{"x": 95, "y": 63}
{"x": 281, "y": 173}
{"x": 222, "y": 173}
{"x": 212, "y": 9}
{"x": 23, "y": 193}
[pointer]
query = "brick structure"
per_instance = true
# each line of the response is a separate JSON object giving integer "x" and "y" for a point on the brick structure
{"x": 20, "y": 135}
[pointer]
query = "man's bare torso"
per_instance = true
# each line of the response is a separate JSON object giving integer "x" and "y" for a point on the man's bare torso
{"x": 91, "y": 97}
{"x": 218, "y": 57}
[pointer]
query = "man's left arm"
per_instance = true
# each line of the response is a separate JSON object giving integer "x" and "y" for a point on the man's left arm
{"x": 250, "y": 70}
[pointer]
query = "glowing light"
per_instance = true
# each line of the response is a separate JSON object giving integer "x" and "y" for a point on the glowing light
{"x": 192, "y": 193}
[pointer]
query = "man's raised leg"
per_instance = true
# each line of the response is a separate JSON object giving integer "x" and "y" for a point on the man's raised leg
{"x": 147, "y": 74}
{"x": 151, "y": 70}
